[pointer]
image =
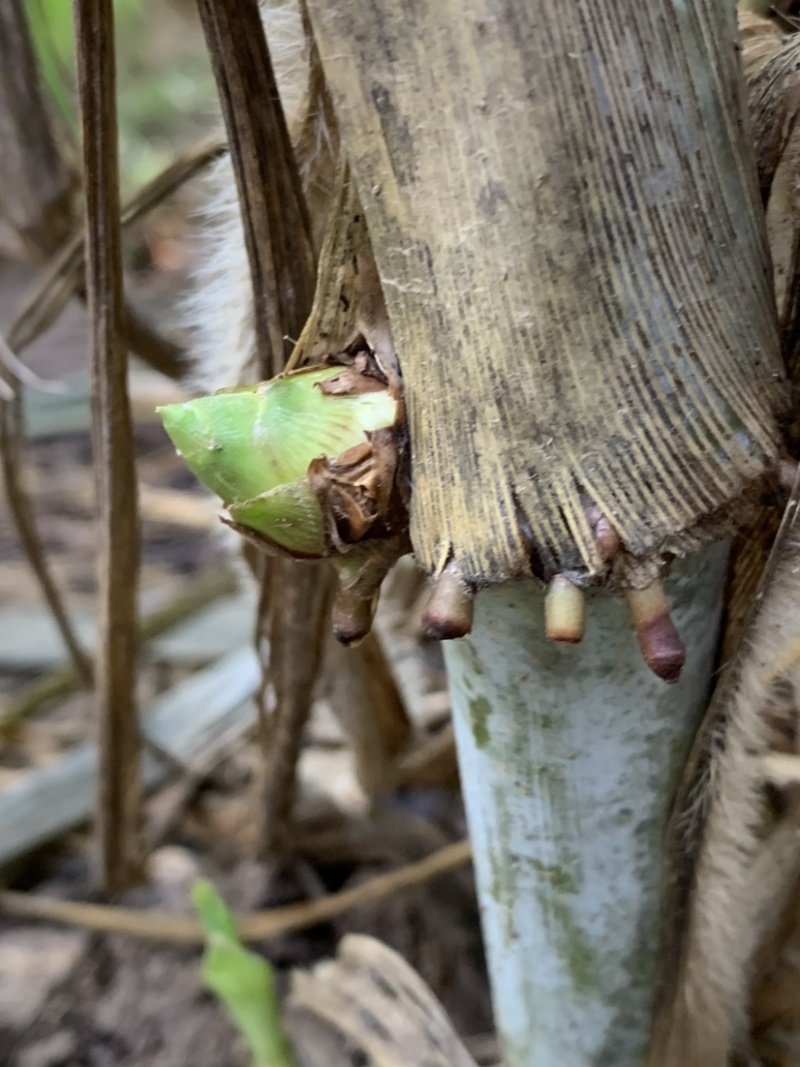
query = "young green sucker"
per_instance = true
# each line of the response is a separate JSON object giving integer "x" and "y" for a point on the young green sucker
{"x": 242, "y": 981}
{"x": 253, "y": 446}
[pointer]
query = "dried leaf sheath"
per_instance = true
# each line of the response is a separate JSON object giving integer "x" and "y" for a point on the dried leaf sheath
{"x": 728, "y": 870}
{"x": 574, "y": 267}
{"x": 769, "y": 61}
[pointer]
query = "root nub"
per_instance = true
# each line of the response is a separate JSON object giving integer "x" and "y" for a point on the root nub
{"x": 352, "y": 617}
{"x": 658, "y": 639}
{"x": 605, "y": 536}
{"x": 449, "y": 612}
{"x": 564, "y": 610}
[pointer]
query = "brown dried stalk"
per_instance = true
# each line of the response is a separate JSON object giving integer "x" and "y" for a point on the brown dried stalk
{"x": 186, "y": 930}
{"x": 282, "y": 265}
{"x": 364, "y": 697}
{"x": 118, "y": 810}
{"x": 299, "y": 603}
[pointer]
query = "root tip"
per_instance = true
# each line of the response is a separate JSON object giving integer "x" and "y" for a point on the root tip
{"x": 662, "y": 649}
{"x": 449, "y": 612}
{"x": 564, "y": 611}
{"x": 659, "y": 641}
{"x": 352, "y": 619}
{"x": 605, "y": 536}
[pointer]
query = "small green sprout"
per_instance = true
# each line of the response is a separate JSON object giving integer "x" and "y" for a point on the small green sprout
{"x": 242, "y": 981}
{"x": 253, "y": 446}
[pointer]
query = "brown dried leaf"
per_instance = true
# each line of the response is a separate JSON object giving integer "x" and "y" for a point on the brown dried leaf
{"x": 534, "y": 375}
{"x": 370, "y": 1003}
{"x": 332, "y": 325}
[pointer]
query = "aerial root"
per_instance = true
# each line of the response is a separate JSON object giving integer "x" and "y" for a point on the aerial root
{"x": 564, "y": 610}
{"x": 449, "y": 611}
{"x": 658, "y": 639}
{"x": 606, "y": 537}
{"x": 351, "y": 616}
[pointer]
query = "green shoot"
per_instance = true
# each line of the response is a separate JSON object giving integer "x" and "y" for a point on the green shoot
{"x": 242, "y": 981}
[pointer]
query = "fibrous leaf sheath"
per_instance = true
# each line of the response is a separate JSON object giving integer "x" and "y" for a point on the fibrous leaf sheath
{"x": 563, "y": 208}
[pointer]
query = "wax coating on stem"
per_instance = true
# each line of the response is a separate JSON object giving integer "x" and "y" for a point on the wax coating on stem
{"x": 569, "y": 757}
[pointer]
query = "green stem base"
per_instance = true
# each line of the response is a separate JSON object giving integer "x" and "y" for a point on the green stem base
{"x": 569, "y": 757}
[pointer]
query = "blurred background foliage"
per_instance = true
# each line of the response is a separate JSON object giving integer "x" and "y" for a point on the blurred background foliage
{"x": 164, "y": 82}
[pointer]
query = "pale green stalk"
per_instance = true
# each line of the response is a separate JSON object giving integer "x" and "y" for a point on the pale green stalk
{"x": 569, "y": 758}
